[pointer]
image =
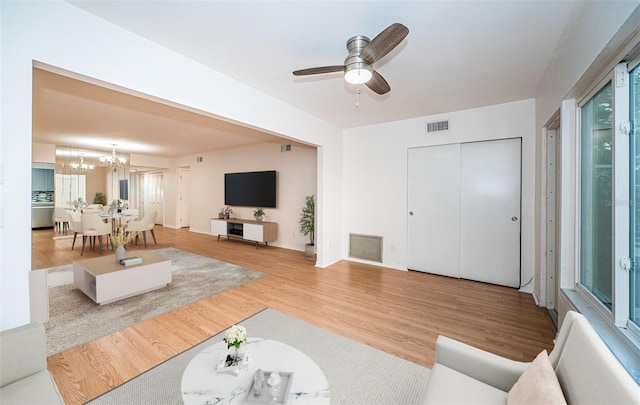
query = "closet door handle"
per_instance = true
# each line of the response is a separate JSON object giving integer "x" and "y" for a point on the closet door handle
{"x": 514, "y": 219}
{"x": 410, "y": 213}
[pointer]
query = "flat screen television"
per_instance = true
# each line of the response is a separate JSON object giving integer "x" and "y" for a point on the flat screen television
{"x": 250, "y": 189}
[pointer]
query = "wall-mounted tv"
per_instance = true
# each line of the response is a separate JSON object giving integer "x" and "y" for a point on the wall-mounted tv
{"x": 250, "y": 189}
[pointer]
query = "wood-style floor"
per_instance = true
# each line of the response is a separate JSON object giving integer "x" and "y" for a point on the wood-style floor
{"x": 398, "y": 312}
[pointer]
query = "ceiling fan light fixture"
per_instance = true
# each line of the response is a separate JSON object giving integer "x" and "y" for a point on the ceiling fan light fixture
{"x": 358, "y": 73}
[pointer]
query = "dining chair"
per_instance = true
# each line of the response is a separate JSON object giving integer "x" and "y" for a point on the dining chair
{"x": 76, "y": 225}
{"x": 61, "y": 219}
{"x": 92, "y": 226}
{"x": 128, "y": 215}
{"x": 147, "y": 223}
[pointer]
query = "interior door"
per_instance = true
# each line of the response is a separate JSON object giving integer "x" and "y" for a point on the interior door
{"x": 434, "y": 210}
{"x": 154, "y": 195}
{"x": 185, "y": 187}
{"x": 490, "y": 211}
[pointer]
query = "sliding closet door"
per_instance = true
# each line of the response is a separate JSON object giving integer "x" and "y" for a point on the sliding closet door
{"x": 490, "y": 211}
{"x": 464, "y": 211}
{"x": 434, "y": 210}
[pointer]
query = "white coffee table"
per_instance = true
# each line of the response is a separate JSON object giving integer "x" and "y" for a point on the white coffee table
{"x": 203, "y": 384}
{"x": 105, "y": 281}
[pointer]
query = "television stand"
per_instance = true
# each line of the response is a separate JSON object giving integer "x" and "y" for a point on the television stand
{"x": 245, "y": 229}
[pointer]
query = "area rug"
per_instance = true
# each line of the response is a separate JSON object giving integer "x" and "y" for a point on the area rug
{"x": 357, "y": 373}
{"x": 75, "y": 319}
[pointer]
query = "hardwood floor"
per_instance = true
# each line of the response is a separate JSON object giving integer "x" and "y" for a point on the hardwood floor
{"x": 398, "y": 312}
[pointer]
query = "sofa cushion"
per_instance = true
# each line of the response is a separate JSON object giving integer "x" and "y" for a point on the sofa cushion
{"x": 537, "y": 385}
{"x": 448, "y": 386}
{"x": 37, "y": 389}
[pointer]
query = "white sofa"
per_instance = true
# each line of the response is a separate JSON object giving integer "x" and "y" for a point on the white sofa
{"x": 24, "y": 378}
{"x": 587, "y": 371}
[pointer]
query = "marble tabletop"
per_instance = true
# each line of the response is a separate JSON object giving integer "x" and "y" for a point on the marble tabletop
{"x": 203, "y": 384}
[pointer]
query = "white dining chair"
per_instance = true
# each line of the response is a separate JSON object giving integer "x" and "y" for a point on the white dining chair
{"x": 61, "y": 220}
{"x": 92, "y": 226}
{"x": 147, "y": 223}
{"x": 128, "y": 215}
{"x": 76, "y": 225}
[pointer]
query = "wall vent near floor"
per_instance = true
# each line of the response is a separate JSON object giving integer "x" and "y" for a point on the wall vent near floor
{"x": 438, "y": 126}
{"x": 365, "y": 247}
{"x": 285, "y": 148}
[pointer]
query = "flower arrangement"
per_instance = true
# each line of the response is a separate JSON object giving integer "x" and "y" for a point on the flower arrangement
{"x": 225, "y": 212}
{"x": 235, "y": 336}
{"x": 122, "y": 237}
{"x": 79, "y": 204}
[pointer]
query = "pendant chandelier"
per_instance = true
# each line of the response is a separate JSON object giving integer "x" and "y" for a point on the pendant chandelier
{"x": 82, "y": 166}
{"x": 114, "y": 160}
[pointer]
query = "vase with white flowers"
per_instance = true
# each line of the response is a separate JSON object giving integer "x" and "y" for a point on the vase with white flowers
{"x": 234, "y": 337}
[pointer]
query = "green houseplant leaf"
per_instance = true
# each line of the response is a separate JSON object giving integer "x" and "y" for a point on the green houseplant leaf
{"x": 308, "y": 218}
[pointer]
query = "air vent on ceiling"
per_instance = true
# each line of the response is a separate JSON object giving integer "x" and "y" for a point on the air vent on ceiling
{"x": 285, "y": 148}
{"x": 437, "y": 126}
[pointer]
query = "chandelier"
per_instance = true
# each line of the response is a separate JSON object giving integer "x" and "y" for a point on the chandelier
{"x": 82, "y": 166}
{"x": 114, "y": 160}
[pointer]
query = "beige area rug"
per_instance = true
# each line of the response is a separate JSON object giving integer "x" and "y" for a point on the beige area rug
{"x": 356, "y": 373}
{"x": 75, "y": 319}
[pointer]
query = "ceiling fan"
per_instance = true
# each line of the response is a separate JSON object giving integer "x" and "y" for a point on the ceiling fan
{"x": 363, "y": 53}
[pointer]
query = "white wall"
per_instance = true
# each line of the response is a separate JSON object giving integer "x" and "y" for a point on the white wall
{"x": 296, "y": 179}
{"x": 375, "y": 172}
{"x": 42, "y": 152}
{"x": 75, "y": 41}
{"x": 582, "y": 53}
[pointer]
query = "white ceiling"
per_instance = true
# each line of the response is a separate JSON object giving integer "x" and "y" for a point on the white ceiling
{"x": 458, "y": 55}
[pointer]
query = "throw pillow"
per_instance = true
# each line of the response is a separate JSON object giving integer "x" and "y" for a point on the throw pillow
{"x": 537, "y": 385}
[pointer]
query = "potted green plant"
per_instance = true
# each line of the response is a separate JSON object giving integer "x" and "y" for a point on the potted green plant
{"x": 258, "y": 214}
{"x": 100, "y": 198}
{"x": 307, "y": 224}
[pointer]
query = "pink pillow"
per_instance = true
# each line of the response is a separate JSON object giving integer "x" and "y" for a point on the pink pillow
{"x": 537, "y": 385}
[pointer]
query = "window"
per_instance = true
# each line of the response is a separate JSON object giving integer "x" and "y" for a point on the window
{"x": 69, "y": 188}
{"x": 596, "y": 214}
{"x": 609, "y": 199}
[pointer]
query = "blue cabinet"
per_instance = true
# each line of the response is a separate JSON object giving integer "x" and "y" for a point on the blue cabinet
{"x": 42, "y": 179}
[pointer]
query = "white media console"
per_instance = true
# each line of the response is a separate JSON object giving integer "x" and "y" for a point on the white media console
{"x": 245, "y": 229}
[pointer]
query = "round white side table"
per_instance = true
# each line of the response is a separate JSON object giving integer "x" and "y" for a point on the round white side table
{"x": 203, "y": 384}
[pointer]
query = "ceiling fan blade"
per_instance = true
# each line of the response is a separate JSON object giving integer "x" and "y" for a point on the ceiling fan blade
{"x": 318, "y": 70}
{"x": 378, "y": 84}
{"x": 384, "y": 42}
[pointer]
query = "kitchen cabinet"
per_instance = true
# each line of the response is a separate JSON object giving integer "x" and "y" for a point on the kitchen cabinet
{"x": 42, "y": 179}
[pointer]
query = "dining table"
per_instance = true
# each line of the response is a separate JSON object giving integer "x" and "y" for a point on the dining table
{"x": 116, "y": 217}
